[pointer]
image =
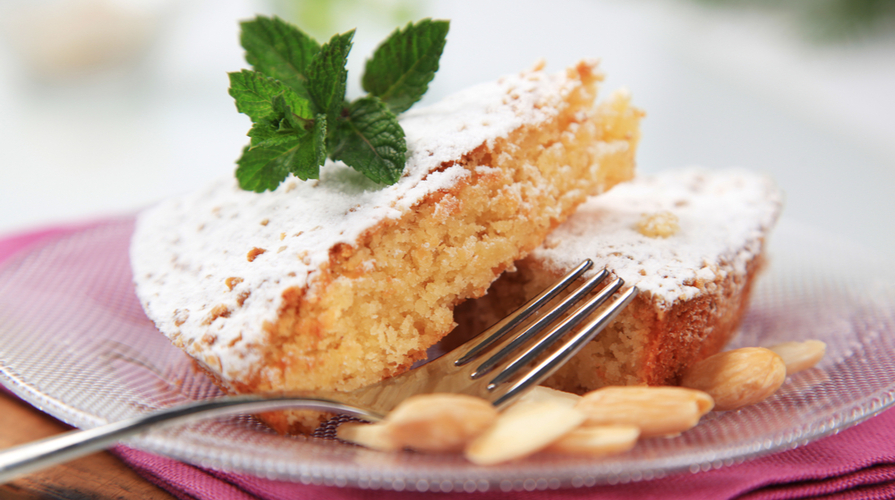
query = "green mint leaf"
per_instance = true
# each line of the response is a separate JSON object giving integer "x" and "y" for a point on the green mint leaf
{"x": 371, "y": 141}
{"x": 317, "y": 152}
{"x": 283, "y": 119}
{"x": 264, "y": 130}
{"x": 285, "y": 141}
{"x": 327, "y": 76}
{"x": 254, "y": 94}
{"x": 296, "y": 114}
{"x": 266, "y": 163}
{"x": 278, "y": 50}
{"x": 402, "y": 67}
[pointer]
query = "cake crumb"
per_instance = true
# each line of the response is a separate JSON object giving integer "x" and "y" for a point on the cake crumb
{"x": 232, "y": 282}
{"x": 218, "y": 311}
{"x": 254, "y": 253}
{"x": 213, "y": 361}
{"x": 180, "y": 316}
{"x": 658, "y": 225}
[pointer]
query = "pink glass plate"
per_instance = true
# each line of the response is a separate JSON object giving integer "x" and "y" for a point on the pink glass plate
{"x": 74, "y": 342}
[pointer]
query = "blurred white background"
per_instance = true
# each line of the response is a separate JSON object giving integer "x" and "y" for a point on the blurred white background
{"x": 109, "y": 105}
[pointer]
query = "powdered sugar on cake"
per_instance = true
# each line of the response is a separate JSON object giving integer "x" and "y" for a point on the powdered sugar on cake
{"x": 721, "y": 218}
{"x": 210, "y": 267}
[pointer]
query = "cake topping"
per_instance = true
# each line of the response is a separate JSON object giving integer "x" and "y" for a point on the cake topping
{"x": 720, "y": 217}
{"x": 295, "y": 96}
{"x": 254, "y": 253}
{"x": 658, "y": 225}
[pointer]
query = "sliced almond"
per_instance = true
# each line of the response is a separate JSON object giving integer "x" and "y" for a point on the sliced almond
{"x": 541, "y": 394}
{"x": 526, "y": 429}
{"x": 798, "y": 356}
{"x": 597, "y": 441}
{"x": 656, "y": 411}
{"x": 372, "y": 436}
{"x": 737, "y": 378}
{"x": 439, "y": 422}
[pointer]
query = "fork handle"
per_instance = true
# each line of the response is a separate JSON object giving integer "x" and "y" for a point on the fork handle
{"x": 36, "y": 455}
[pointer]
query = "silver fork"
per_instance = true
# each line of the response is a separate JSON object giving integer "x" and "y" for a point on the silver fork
{"x": 515, "y": 363}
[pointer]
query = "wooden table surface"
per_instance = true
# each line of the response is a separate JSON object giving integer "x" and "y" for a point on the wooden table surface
{"x": 94, "y": 477}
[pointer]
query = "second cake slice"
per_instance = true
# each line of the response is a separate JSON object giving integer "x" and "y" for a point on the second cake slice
{"x": 692, "y": 241}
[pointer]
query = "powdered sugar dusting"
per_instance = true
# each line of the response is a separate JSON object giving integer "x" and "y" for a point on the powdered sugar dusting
{"x": 722, "y": 217}
{"x": 210, "y": 267}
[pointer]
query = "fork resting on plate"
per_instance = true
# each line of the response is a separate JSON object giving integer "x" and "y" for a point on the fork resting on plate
{"x": 495, "y": 365}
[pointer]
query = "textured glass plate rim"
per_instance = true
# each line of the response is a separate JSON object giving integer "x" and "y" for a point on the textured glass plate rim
{"x": 519, "y": 475}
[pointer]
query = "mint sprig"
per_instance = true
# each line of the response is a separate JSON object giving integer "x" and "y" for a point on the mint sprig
{"x": 295, "y": 97}
{"x": 327, "y": 76}
{"x": 402, "y": 67}
{"x": 254, "y": 94}
{"x": 274, "y": 48}
{"x": 369, "y": 141}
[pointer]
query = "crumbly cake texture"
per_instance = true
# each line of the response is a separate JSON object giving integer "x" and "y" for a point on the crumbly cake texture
{"x": 338, "y": 283}
{"x": 691, "y": 240}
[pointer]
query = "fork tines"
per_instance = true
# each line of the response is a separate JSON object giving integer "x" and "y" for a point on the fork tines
{"x": 539, "y": 341}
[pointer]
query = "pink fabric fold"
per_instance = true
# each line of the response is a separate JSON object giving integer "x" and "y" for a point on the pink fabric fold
{"x": 857, "y": 463}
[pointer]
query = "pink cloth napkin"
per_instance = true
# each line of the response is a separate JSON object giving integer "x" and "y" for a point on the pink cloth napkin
{"x": 857, "y": 463}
